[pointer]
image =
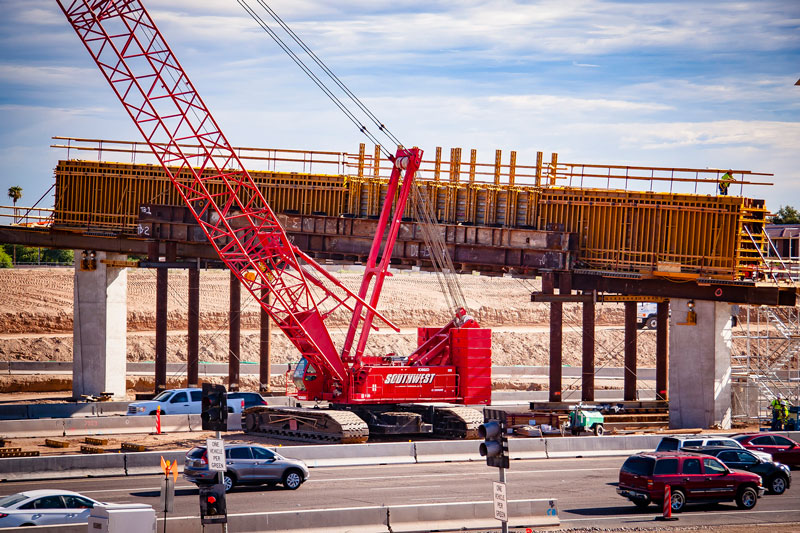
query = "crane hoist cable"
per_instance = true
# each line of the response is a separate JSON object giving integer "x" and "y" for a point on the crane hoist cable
{"x": 425, "y": 214}
{"x": 316, "y": 79}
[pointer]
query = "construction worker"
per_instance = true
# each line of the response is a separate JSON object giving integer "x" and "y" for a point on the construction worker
{"x": 777, "y": 412}
{"x": 725, "y": 182}
{"x": 783, "y": 416}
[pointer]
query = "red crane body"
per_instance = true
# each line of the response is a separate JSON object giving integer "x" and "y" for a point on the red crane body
{"x": 451, "y": 364}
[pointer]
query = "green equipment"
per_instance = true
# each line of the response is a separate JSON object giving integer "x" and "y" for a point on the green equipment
{"x": 585, "y": 419}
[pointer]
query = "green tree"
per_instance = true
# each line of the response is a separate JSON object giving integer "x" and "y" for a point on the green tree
{"x": 786, "y": 215}
{"x": 61, "y": 257}
{"x": 5, "y": 260}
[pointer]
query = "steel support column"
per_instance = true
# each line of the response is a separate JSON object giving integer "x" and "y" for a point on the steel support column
{"x": 662, "y": 350}
{"x": 587, "y": 363}
{"x": 630, "y": 352}
{"x": 556, "y": 319}
{"x": 234, "y": 350}
{"x": 162, "y": 284}
{"x": 265, "y": 362}
{"x": 193, "y": 330}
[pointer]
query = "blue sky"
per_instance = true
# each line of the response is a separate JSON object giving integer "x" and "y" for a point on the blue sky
{"x": 661, "y": 83}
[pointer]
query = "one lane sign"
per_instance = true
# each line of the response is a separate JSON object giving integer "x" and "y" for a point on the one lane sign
{"x": 500, "y": 504}
{"x": 216, "y": 454}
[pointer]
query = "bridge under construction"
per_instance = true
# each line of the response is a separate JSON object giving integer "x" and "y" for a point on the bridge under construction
{"x": 592, "y": 232}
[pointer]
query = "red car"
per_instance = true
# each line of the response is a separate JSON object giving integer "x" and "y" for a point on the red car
{"x": 693, "y": 478}
{"x": 783, "y": 450}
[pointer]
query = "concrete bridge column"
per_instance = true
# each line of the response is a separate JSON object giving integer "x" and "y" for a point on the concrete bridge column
{"x": 700, "y": 365}
{"x": 100, "y": 324}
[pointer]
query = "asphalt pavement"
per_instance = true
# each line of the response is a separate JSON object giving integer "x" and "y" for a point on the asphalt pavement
{"x": 585, "y": 489}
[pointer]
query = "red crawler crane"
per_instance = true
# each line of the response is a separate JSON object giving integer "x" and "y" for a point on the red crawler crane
{"x": 451, "y": 364}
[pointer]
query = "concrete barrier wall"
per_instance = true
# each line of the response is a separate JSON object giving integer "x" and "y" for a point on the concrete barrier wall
{"x": 447, "y": 451}
{"x": 393, "y": 518}
{"x": 150, "y": 462}
{"x": 53, "y": 467}
{"x": 62, "y": 466}
{"x": 32, "y": 428}
{"x": 530, "y": 448}
{"x": 351, "y": 454}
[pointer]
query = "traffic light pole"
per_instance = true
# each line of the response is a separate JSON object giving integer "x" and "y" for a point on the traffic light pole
{"x": 503, "y": 523}
{"x": 222, "y": 482}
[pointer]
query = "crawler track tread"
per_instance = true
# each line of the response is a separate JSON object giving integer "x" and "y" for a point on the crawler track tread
{"x": 305, "y": 425}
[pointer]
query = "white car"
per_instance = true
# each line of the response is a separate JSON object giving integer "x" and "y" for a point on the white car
{"x": 178, "y": 402}
{"x": 45, "y": 507}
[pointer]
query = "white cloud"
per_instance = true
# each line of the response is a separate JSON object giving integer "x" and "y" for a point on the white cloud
{"x": 548, "y": 102}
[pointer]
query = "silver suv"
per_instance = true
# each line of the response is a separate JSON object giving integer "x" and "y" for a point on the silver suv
{"x": 672, "y": 444}
{"x": 247, "y": 464}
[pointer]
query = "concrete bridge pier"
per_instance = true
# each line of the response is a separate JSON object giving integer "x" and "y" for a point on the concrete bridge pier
{"x": 700, "y": 365}
{"x": 100, "y": 317}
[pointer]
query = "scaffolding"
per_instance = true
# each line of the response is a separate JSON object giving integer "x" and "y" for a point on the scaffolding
{"x": 765, "y": 360}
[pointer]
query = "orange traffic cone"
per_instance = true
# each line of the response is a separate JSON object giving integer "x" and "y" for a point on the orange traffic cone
{"x": 667, "y": 506}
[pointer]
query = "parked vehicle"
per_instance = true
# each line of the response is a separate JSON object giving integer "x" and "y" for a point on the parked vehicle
{"x": 251, "y": 399}
{"x": 782, "y": 449}
{"x": 45, "y": 507}
{"x": 646, "y": 315}
{"x": 178, "y": 402}
{"x": 692, "y": 478}
{"x": 775, "y": 476}
{"x": 670, "y": 444}
{"x": 246, "y": 465}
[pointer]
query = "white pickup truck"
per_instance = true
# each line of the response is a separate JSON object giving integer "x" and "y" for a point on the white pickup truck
{"x": 646, "y": 315}
{"x": 178, "y": 402}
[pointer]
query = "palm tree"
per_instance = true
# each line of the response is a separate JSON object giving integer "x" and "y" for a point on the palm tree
{"x": 15, "y": 193}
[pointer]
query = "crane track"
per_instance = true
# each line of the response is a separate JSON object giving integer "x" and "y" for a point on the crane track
{"x": 305, "y": 425}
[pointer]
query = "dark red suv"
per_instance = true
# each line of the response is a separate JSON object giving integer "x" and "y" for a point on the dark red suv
{"x": 693, "y": 478}
{"x": 783, "y": 450}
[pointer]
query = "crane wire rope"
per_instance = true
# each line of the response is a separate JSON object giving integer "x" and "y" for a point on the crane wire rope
{"x": 425, "y": 214}
{"x": 330, "y": 73}
{"x": 312, "y": 76}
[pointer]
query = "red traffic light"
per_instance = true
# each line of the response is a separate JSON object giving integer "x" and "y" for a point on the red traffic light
{"x": 212, "y": 499}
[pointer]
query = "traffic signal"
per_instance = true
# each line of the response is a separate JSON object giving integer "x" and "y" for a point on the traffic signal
{"x": 214, "y": 414}
{"x": 495, "y": 442}
{"x": 212, "y": 504}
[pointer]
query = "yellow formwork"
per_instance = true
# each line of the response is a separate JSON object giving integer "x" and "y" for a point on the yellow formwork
{"x": 654, "y": 233}
{"x": 100, "y": 195}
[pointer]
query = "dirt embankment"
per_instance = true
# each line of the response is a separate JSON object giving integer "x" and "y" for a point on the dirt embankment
{"x": 36, "y": 322}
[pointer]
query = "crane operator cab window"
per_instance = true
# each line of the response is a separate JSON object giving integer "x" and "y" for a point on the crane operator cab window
{"x": 304, "y": 371}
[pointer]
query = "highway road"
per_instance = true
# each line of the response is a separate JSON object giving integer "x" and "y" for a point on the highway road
{"x": 584, "y": 488}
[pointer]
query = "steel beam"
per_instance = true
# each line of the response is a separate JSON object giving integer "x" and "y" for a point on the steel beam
{"x": 662, "y": 350}
{"x": 234, "y": 349}
{"x": 740, "y": 293}
{"x": 193, "y": 330}
{"x": 162, "y": 285}
{"x": 629, "y": 393}
{"x": 587, "y": 361}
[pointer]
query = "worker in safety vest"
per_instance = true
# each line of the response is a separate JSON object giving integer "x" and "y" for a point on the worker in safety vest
{"x": 777, "y": 412}
{"x": 783, "y": 416}
{"x": 725, "y": 182}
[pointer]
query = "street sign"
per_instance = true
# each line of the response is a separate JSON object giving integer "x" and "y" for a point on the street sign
{"x": 216, "y": 454}
{"x": 500, "y": 503}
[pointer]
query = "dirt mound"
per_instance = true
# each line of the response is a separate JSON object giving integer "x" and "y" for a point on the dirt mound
{"x": 36, "y": 323}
